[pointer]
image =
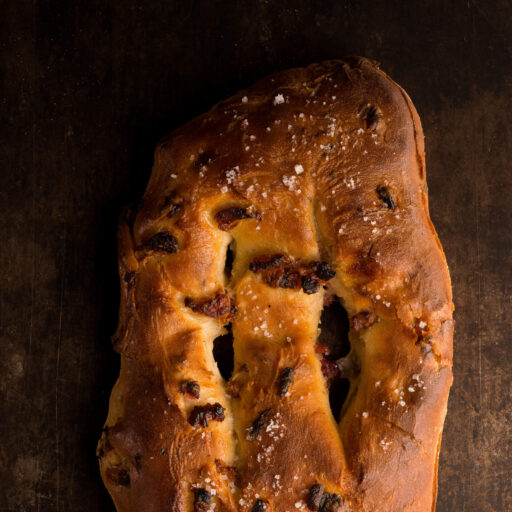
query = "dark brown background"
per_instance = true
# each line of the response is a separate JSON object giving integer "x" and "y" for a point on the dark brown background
{"x": 87, "y": 90}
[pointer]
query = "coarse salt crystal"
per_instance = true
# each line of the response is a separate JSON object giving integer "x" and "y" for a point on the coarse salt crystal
{"x": 245, "y": 99}
{"x": 278, "y": 99}
{"x": 422, "y": 324}
{"x": 290, "y": 182}
{"x": 299, "y": 169}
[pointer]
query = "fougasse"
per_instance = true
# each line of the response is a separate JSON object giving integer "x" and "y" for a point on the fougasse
{"x": 314, "y": 180}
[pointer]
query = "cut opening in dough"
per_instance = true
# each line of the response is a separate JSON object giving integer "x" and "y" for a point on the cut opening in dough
{"x": 228, "y": 262}
{"x": 223, "y": 353}
{"x": 335, "y": 325}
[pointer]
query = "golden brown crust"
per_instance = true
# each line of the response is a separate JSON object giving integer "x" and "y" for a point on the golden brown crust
{"x": 312, "y": 165}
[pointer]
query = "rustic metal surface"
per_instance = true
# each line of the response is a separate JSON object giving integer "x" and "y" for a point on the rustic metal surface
{"x": 87, "y": 90}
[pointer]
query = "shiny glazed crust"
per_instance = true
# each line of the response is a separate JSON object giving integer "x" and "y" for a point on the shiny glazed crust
{"x": 319, "y": 164}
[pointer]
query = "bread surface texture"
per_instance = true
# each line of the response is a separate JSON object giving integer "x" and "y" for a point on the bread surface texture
{"x": 314, "y": 180}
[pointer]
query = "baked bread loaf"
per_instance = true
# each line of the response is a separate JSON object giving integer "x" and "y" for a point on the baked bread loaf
{"x": 315, "y": 178}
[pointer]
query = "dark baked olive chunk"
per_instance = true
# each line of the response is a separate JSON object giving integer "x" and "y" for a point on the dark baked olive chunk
{"x": 255, "y": 428}
{"x": 162, "y": 242}
{"x": 203, "y": 414}
{"x": 285, "y": 380}
{"x": 386, "y": 197}
{"x": 259, "y": 506}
